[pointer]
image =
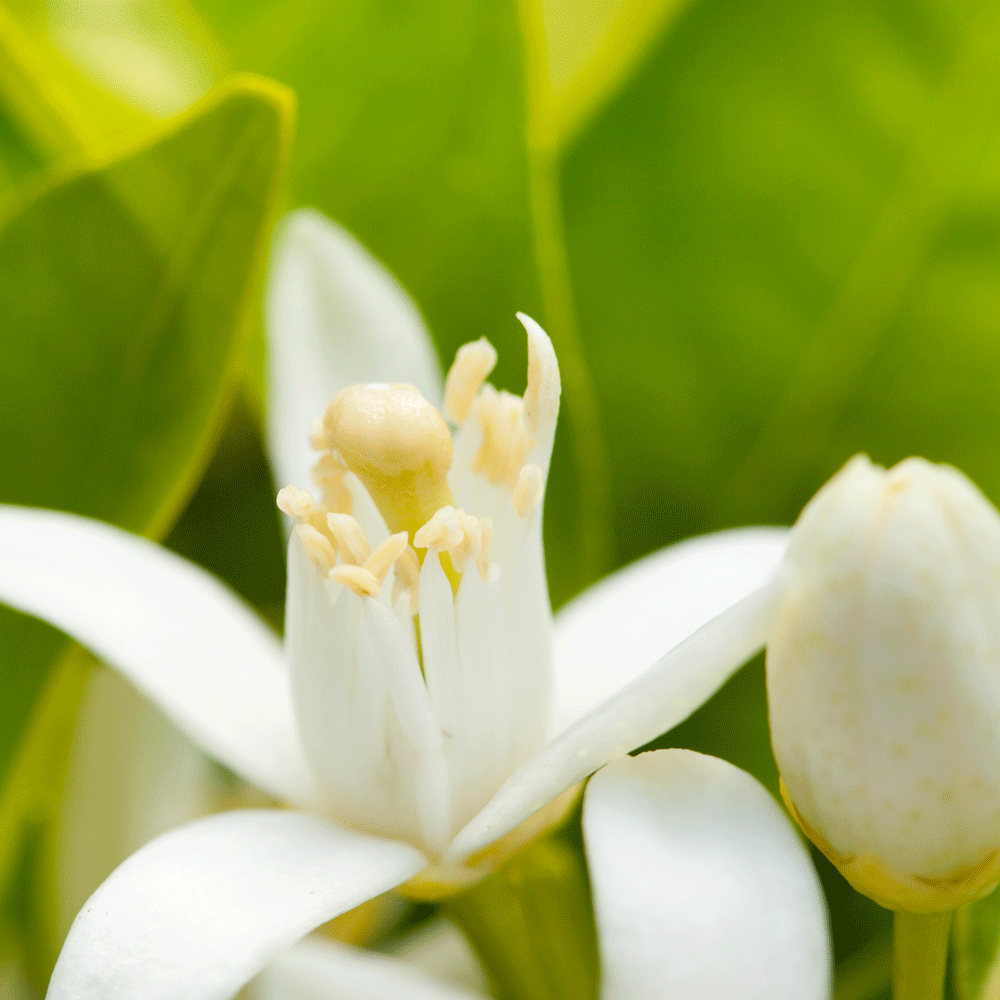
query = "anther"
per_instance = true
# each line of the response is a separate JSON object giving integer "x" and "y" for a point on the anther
{"x": 528, "y": 490}
{"x": 469, "y": 544}
{"x": 328, "y": 474}
{"x": 398, "y": 445}
{"x": 317, "y": 435}
{"x": 541, "y": 398}
{"x": 385, "y": 555}
{"x": 506, "y": 442}
{"x": 485, "y": 548}
{"x": 363, "y": 582}
{"x": 318, "y": 546}
{"x": 351, "y": 538}
{"x": 443, "y": 531}
{"x": 407, "y": 577}
{"x": 473, "y": 363}
{"x": 295, "y": 502}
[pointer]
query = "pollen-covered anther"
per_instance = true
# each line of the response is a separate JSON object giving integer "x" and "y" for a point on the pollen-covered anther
{"x": 485, "y": 548}
{"x": 320, "y": 550}
{"x": 528, "y": 491}
{"x": 362, "y": 581}
{"x": 317, "y": 435}
{"x": 473, "y": 363}
{"x": 295, "y": 502}
{"x": 506, "y": 441}
{"x": 407, "y": 577}
{"x": 328, "y": 474}
{"x": 379, "y": 562}
{"x": 459, "y": 534}
{"x": 351, "y": 539}
{"x": 443, "y": 531}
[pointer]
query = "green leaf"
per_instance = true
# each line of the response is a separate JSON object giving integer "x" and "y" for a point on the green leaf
{"x": 783, "y": 235}
{"x": 587, "y": 58}
{"x": 124, "y": 345}
{"x": 976, "y": 949}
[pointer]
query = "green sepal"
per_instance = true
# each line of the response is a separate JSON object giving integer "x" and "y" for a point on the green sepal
{"x": 532, "y": 924}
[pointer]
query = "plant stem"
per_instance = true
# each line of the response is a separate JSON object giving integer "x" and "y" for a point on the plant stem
{"x": 580, "y": 399}
{"x": 920, "y": 953}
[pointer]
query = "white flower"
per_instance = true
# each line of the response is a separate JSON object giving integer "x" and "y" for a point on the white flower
{"x": 884, "y": 682}
{"x": 701, "y": 889}
{"x": 200, "y": 910}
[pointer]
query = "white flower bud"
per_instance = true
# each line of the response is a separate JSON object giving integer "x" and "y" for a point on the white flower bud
{"x": 884, "y": 682}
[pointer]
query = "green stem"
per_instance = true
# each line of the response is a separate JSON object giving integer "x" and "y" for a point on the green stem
{"x": 920, "y": 953}
{"x": 580, "y": 399}
{"x": 532, "y": 925}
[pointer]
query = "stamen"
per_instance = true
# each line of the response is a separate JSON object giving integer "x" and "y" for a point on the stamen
{"x": 318, "y": 546}
{"x": 443, "y": 531}
{"x": 541, "y": 398}
{"x": 471, "y": 543}
{"x": 461, "y": 535}
{"x": 295, "y": 502}
{"x": 329, "y": 474}
{"x": 472, "y": 365}
{"x": 506, "y": 442}
{"x": 363, "y": 582}
{"x": 351, "y": 538}
{"x": 528, "y": 491}
{"x": 386, "y": 554}
{"x": 398, "y": 445}
{"x": 317, "y": 435}
{"x": 407, "y": 577}
{"x": 483, "y": 562}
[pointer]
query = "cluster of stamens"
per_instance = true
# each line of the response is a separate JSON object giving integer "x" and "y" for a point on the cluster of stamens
{"x": 400, "y": 448}
{"x": 329, "y": 535}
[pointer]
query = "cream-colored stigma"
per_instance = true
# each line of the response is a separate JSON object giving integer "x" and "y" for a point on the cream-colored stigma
{"x": 398, "y": 445}
{"x": 473, "y": 363}
{"x": 461, "y": 535}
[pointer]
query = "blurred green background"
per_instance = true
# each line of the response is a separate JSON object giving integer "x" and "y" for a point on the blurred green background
{"x": 762, "y": 236}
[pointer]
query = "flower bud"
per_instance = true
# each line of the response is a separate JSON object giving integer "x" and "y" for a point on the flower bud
{"x": 883, "y": 675}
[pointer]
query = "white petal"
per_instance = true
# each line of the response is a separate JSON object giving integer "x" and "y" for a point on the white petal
{"x": 381, "y": 639}
{"x": 317, "y": 969}
{"x": 198, "y": 912}
{"x": 335, "y": 317}
{"x": 132, "y": 776}
{"x": 653, "y": 703}
{"x": 701, "y": 886}
{"x": 609, "y": 635}
{"x": 172, "y": 629}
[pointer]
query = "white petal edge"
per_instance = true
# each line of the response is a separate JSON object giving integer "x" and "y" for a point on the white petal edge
{"x": 178, "y": 634}
{"x": 609, "y": 635}
{"x": 322, "y": 970}
{"x": 701, "y": 886}
{"x": 198, "y": 912}
{"x": 334, "y": 317}
{"x": 658, "y": 699}
{"x": 132, "y": 776}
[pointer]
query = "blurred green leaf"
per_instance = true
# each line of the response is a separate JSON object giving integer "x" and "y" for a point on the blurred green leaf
{"x": 50, "y": 113}
{"x": 976, "y": 949}
{"x": 123, "y": 346}
{"x": 784, "y": 239}
{"x": 589, "y": 56}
